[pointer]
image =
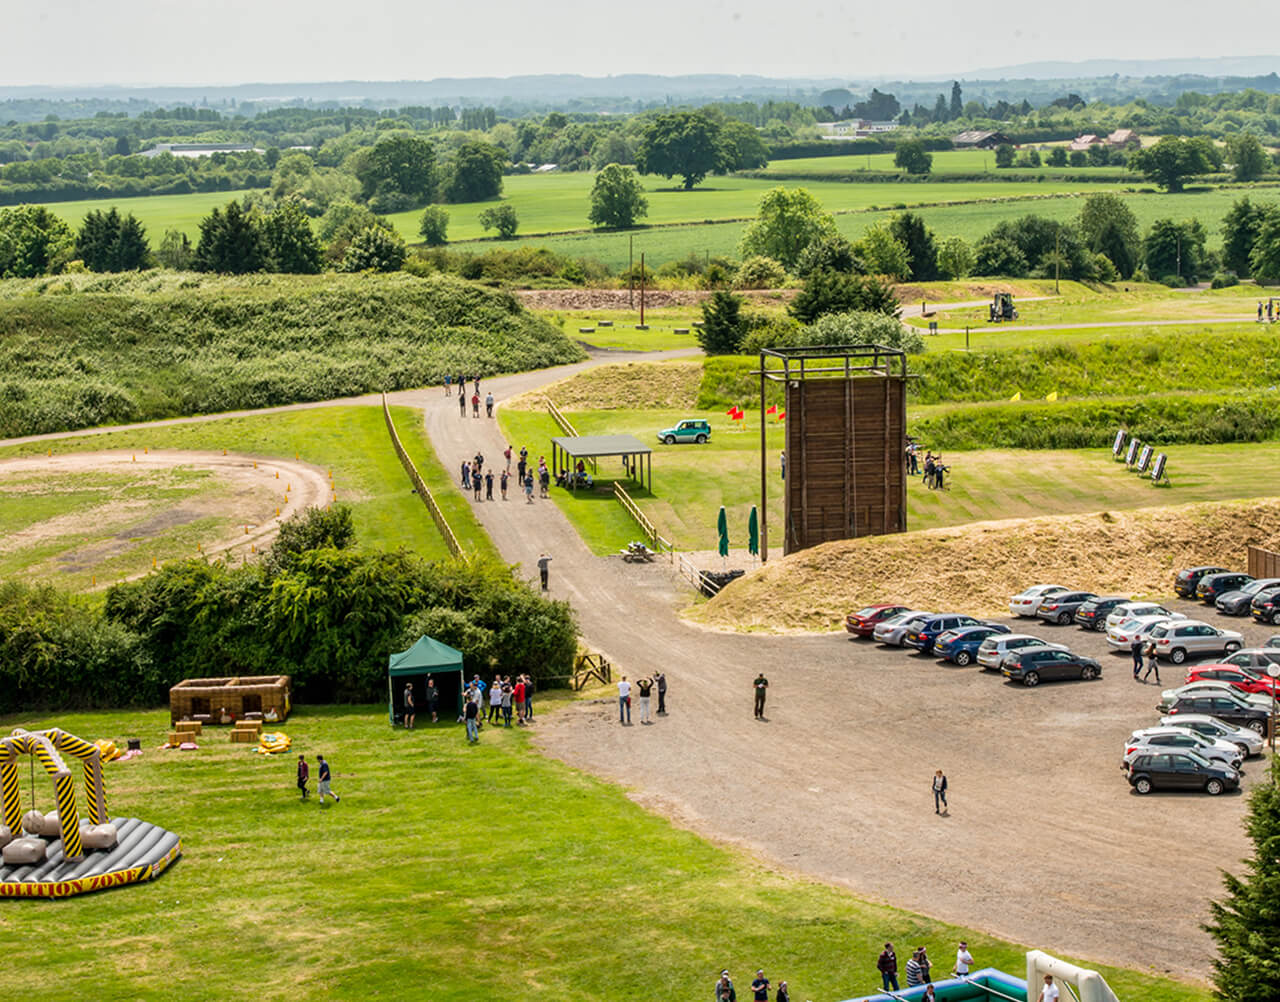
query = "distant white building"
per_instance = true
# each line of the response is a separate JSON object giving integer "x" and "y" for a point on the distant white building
{"x": 192, "y": 150}
{"x": 853, "y": 128}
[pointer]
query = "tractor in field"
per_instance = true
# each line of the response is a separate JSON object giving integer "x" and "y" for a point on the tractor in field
{"x": 1001, "y": 308}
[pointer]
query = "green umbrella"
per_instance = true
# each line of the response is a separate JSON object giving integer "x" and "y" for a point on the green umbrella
{"x": 753, "y": 532}
{"x": 722, "y": 524}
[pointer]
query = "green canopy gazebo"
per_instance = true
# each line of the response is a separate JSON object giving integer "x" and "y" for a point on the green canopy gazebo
{"x": 426, "y": 657}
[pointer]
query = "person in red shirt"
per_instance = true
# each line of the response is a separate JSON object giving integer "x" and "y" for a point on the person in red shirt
{"x": 304, "y": 774}
{"x": 517, "y": 695}
{"x": 475, "y": 405}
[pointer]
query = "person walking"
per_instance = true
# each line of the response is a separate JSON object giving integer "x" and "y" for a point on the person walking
{"x": 323, "y": 789}
{"x": 475, "y": 405}
{"x": 476, "y": 484}
{"x": 495, "y": 699}
{"x": 544, "y": 481}
{"x": 1153, "y": 663}
{"x": 761, "y": 685}
{"x": 544, "y": 567}
{"x": 660, "y": 679}
{"x": 887, "y": 965}
{"x": 520, "y": 468}
{"x": 448, "y": 385}
{"x": 517, "y": 694}
{"x": 759, "y": 987}
{"x": 624, "y": 701}
{"x": 1049, "y": 993}
{"x": 964, "y": 960}
{"x": 471, "y": 714}
{"x": 506, "y": 454}
{"x": 1136, "y": 650}
{"x": 926, "y": 965}
{"x": 488, "y": 486}
{"x": 939, "y": 793}
{"x": 462, "y": 402}
{"x": 433, "y": 699}
{"x": 502, "y": 484}
{"x": 914, "y": 977}
{"x": 643, "y": 686}
{"x": 528, "y": 488}
{"x": 477, "y": 385}
{"x": 506, "y": 702}
{"x": 724, "y": 989}
{"x": 488, "y": 404}
{"x": 409, "y": 709}
{"x": 466, "y": 475}
{"x": 304, "y": 774}
{"x": 782, "y": 463}
{"x": 528, "y": 697}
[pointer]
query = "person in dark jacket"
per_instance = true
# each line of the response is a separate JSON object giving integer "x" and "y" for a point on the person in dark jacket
{"x": 887, "y": 965}
{"x": 939, "y": 792}
{"x": 304, "y": 774}
{"x": 724, "y": 989}
{"x": 1136, "y": 650}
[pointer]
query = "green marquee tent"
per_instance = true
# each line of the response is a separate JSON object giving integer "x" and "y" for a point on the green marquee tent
{"x": 426, "y": 657}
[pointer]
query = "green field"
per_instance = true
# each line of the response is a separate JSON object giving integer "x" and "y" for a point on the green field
{"x": 944, "y": 162}
{"x": 447, "y": 871}
{"x": 351, "y": 441}
{"x": 156, "y": 212}
{"x": 691, "y": 482}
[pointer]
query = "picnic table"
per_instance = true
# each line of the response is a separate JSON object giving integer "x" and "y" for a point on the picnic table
{"x": 637, "y": 553}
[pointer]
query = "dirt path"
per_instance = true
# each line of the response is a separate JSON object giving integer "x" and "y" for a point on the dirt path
{"x": 254, "y": 492}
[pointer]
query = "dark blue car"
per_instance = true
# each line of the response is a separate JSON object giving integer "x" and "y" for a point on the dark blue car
{"x": 961, "y": 646}
{"x": 923, "y": 636}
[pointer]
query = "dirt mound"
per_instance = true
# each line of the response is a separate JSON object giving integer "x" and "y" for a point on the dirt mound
{"x": 975, "y": 568}
{"x": 633, "y": 385}
{"x": 616, "y": 299}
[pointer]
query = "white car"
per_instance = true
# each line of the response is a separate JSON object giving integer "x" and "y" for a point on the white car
{"x": 1134, "y": 628}
{"x": 1130, "y": 610}
{"x": 1190, "y": 637}
{"x": 1254, "y": 659}
{"x": 1026, "y": 603}
{"x": 1211, "y": 688}
{"x": 993, "y": 650}
{"x": 1184, "y": 739}
{"x": 1249, "y": 742}
{"x": 893, "y": 631}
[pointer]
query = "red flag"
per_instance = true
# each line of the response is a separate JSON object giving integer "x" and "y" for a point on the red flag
{"x": 738, "y": 414}
{"x": 782, "y": 415}
{"x": 732, "y": 410}
{"x": 772, "y": 410}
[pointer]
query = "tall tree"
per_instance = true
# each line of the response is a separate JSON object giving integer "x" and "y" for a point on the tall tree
{"x": 33, "y": 241}
{"x": 617, "y": 197}
{"x": 400, "y": 163}
{"x": 131, "y": 251}
{"x": 741, "y": 147}
{"x": 911, "y": 157}
{"x": 1264, "y": 261}
{"x": 788, "y": 220}
{"x": 1240, "y": 228}
{"x": 940, "y": 109}
{"x": 957, "y": 102}
{"x": 1109, "y": 227}
{"x": 230, "y": 242}
{"x": 175, "y": 250}
{"x": 722, "y": 324}
{"x": 910, "y": 231}
{"x": 1174, "y": 249}
{"x": 288, "y": 242}
{"x": 1171, "y": 161}
{"x": 502, "y": 218}
{"x": 97, "y": 236}
{"x": 434, "y": 226}
{"x": 1244, "y": 923}
{"x": 681, "y": 142}
{"x": 1248, "y": 159}
{"x": 476, "y": 173}
{"x": 374, "y": 248}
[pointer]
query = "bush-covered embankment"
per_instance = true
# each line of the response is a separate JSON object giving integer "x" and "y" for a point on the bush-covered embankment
{"x": 315, "y": 608}
{"x": 79, "y": 351}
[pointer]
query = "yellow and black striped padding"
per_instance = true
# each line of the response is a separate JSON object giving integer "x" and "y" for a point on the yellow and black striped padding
{"x": 10, "y": 794}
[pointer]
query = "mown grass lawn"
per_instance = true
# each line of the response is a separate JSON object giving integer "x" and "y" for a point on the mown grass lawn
{"x": 691, "y": 482}
{"x": 944, "y": 162}
{"x": 447, "y": 872}
{"x": 352, "y": 441}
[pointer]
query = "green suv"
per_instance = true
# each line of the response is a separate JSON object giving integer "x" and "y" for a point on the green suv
{"x": 686, "y": 431}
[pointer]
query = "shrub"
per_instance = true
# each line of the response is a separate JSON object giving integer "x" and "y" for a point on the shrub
{"x": 434, "y": 226}
{"x": 863, "y": 328}
{"x": 760, "y": 272}
{"x": 1225, "y": 279}
{"x": 769, "y": 330}
{"x": 1173, "y": 281}
{"x": 722, "y": 325}
{"x": 834, "y": 292}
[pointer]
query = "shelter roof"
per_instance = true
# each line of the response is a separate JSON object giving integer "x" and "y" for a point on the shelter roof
{"x": 424, "y": 657}
{"x": 580, "y": 446}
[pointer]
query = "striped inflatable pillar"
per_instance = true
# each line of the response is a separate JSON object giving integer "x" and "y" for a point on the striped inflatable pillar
{"x": 68, "y": 817}
{"x": 10, "y": 795}
{"x": 94, "y": 789}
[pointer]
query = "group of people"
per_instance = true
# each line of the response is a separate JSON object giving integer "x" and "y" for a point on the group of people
{"x": 1138, "y": 649}
{"x": 1271, "y": 313}
{"x": 475, "y": 396}
{"x": 760, "y": 985}
{"x": 644, "y": 688}
{"x": 506, "y": 699}
{"x": 326, "y": 778}
{"x": 919, "y": 968}
{"x": 479, "y": 481}
{"x": 934, "y": 470}
{"x": 432, "y": 699}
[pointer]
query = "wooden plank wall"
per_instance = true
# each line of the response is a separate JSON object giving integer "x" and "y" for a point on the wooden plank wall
{"x": 1262, "y": 563}
{"x": 846, "y": 475}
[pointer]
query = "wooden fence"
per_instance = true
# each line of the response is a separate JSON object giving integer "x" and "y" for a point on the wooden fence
{"x": 694, "y": 576}
{"x": 1263, "y": 563}
{"x": 419, "y": 485}
{"x": 650, "y": 530}
{"x": 587, "y": 666}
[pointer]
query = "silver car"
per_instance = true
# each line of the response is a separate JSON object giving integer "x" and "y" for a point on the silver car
{"x": 1183, "y": 739}
{"x": 1254, "y": 659}
{"x": 1212, "y": 688}
{"x": 993, "y": 650}
{"x": 1190, "y": 637}
{"x": 1027, "y": 602}
{"x": 1123, "y": 634}
{"x": 894, "y": 631}
{"x": 1249, "y": 742}
{"x": 1129, "y": 610}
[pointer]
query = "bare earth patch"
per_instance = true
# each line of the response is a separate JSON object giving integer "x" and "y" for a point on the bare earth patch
{"x": 976, "y": 567}
{"x": 629, "y": 386}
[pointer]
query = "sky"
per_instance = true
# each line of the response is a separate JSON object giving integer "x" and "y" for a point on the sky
{"x": 70, "y": 42}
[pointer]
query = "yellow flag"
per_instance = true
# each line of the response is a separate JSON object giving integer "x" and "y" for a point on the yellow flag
{"x": 1052, "y": 396}
{"x": 1016, "y": 396}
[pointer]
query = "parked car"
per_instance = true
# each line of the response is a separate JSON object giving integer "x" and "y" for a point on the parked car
{"x": 1136, "y": 628}
{"x": 1026, "y": 602}
{"x": 1254, "y": 659}
{"x": 1130, "y": 610}
{"x": 893, "y": 631}
{"x": 1033, "y": 665}
{"x": 686, "y": 431}
{"x": 1214, "y": 688}
{"x": 1237, "y": 678}
{"x": 863, "y": 622}
{"x": 1249, "y": 742}
{"x": 1265, "y": 608}
{"x": 922, "y": 636}
{"x": 1060, "y": 607}
{"x": 1184, "y": 585}
{"x": 1273, "y": 640}
{"x": 960, "y": 646}
{"x": 1180, "y": 770}
{"x": 1166, "y": 737}
{"x": 993, "y": 650}
{"x": 1213, "y": 585}
{"x": 1188, "y": 637}
{"x": 1239, "y": 601}
{"x": 1223, "y": 706}
{"x": 1092, "y": 615}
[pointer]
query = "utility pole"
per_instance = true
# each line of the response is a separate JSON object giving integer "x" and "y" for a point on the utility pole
{"x": 1057, "y": 259}
{"x": 1178, "y": 269}
{"x": 642, "y": 288}
{"x": 631, "y": 269}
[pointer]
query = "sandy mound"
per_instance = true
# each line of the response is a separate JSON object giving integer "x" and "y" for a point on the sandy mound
{"x": 633, "y": 385}
{"x": 975, "y": 568}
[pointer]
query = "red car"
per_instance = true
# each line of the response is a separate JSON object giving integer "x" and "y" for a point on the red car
{"x": 1237, "y": 678}
{"x": 863, "y": 622}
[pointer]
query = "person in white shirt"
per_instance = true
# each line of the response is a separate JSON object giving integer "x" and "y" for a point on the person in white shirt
{"x": 964, "y": 960}
{"x": 624, "y": 701}
{"x": 1050, "y": 991}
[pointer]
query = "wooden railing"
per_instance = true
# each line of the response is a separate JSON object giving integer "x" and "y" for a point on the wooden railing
{"x": 650, "y": 530}
{"x": 693, "y": 575}
{"x": 419, "y": 485}
{"x": 587, "y": 666}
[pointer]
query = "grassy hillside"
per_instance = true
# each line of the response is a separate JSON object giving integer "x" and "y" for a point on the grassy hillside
{"x": 79, "y": 351}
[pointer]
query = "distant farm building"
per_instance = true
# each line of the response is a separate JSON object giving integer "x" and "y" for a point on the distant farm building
{"x": 192, "y": 150}
{"x": 853, "y": 128}
{"x": 981, "y": 139}
{"x": 1124, "y": 139}
{"x": 1085, "y": 141}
